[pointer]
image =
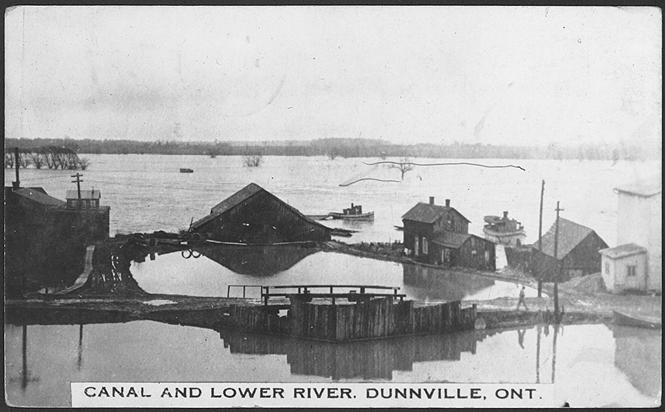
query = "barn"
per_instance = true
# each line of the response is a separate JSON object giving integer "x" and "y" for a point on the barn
{"x": 577, "y": 252}
{"x": 253, "y": 215}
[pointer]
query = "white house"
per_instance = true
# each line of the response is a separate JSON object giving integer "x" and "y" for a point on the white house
{"x": 625, "y": 268}
{"x": 639, "y": 221}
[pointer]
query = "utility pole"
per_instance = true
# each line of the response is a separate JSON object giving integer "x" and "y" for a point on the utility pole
{"x": 540, "y": 233}
{"x": 78, "y": 181}
{"x": 17, "y": 183}
{"x": 557, "y": 265}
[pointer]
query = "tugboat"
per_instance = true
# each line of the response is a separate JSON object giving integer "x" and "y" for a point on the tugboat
{"x": 504, "y": 230}
{"x": 355, "y": 212}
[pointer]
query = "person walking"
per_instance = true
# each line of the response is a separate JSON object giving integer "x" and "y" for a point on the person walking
{"x": 521, "y": 300}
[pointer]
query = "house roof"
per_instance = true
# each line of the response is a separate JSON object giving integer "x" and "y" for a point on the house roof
{"x": 38, "y": 195}
{"x": 85, "y": 194}
{"x": 643, "y": 188}
{"x": 240, "y": 196}
{"x": 620, "y": 251}
{"x": 570, "y": 235}
{"x": 451, "y": 239}
{"x": 428, "y": 213}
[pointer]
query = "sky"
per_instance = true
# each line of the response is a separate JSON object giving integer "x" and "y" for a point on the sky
{"x": 491, "y": 75}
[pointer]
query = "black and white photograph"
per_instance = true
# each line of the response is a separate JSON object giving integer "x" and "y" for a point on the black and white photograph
{"x": 339, "y": 206}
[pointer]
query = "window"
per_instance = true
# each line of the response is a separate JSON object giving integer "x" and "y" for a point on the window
{"x": 607, "y": 268}
{"x": 425, "y": 246}
{"x": 416, "y": 246}
{"x": 446, "y": 255}
{"x": 487, "y": 256}
{"x": 630, "y": 270}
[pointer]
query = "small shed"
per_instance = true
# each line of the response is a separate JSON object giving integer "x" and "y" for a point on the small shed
{"x": 625, "y": 268}
{"x": 89, "y": 199}
{"x": 253, "y": 215}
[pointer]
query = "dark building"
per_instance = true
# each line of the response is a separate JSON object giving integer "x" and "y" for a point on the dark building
{"x": 440, "y": 235}
{"x": 45, "y": 241}
{"x": 255, "y": 216}
{"x": 577, "y": 253}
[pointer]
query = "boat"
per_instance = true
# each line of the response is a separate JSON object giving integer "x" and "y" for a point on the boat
{"x": 504, "y": 230}
{"x": 186, "y": 170}
{"x": 355, "y": 212}
{"x": 636, "y": 321}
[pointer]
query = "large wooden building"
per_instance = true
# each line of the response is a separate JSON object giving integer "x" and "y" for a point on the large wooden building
{"x": 440, "y": 235}
{"x": 577, "y": 253}
{"x": 253, "y": 215}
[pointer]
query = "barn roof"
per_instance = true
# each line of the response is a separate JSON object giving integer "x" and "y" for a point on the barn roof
{"x": 644, "y": 188}
{"x": 451, "y": 239}
{"x": 242, "y": 195}
{"x": 628, "y": 249}
{"x": 85, "y": 194}
{"x": 428, "y": 213}
{"x": 570, "y": 235}
{"x": 39, "y": 195}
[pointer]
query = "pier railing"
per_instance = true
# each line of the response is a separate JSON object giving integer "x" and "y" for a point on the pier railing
{"x": 352, "y": 293}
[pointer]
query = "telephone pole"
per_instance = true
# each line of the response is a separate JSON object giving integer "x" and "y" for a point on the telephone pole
{"x": 78, "y": 181}
{"x": 557, "y": 265}
{"x": 540, "y": 234}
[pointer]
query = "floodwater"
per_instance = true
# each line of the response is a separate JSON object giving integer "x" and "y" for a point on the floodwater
{"x": 147, "y": 192}
{"x": 586, "y": 363}
{"x": 212, "y": 274}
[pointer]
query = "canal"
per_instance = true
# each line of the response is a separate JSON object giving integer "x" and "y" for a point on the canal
{"x": 589, "y": 365}
{"x": 216, "y": 268}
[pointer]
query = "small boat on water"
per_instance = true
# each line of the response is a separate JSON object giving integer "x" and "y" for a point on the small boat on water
{"x": 186, "y": 170}
{"x": 355, "y": 212}
{"x": 637, "y": 321}
{"x": 504, "y": 230}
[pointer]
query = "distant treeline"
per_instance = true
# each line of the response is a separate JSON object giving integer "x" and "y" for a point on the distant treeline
{"x": 346, "y": 147}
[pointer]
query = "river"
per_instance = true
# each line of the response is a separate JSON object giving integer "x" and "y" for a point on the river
{"x": 589, "y": 365}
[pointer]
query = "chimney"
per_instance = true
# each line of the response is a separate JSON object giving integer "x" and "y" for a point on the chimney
{"x": 505, "y": 214}
{"x": 447, "y": 202}
{"x": 431, "y": 200}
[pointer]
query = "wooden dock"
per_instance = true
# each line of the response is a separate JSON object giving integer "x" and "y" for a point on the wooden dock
{"x": 358, "y": 312}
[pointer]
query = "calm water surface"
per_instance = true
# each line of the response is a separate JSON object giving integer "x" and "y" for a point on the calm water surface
{"x": 147, "y": 192}
{"x": 210, "y": 275}
{"x": 590, "y": 365}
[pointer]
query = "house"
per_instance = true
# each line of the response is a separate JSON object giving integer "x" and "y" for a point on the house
{"x": 639, "y": 221}
{"x": 625, "y": 268}
{"x": 577, "y": 252}
{"x": 89, "y": 199}
{"x": 255, "y": 216}
{"x": 44, "y": 240}
{"x": 440, "y": 235}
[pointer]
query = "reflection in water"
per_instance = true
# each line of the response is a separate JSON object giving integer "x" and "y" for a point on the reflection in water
{"x": 594, "y": 365}
{"x": 369, "y": 360}
{"x": 637, "y": 350}
{"x": 256, "y": 260}
{"x": 220, "y": 266}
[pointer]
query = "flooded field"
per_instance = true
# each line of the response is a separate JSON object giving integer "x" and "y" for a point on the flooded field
{"x": 587, "y": 363}
{"x": 218, "y": 267}
{"x": 147, "y": 192}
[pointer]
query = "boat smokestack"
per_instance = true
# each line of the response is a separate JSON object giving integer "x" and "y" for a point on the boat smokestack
{"x": 505, "y": 214}
{"x": 431, "y": 200}
{"x": 447, "y": 202}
